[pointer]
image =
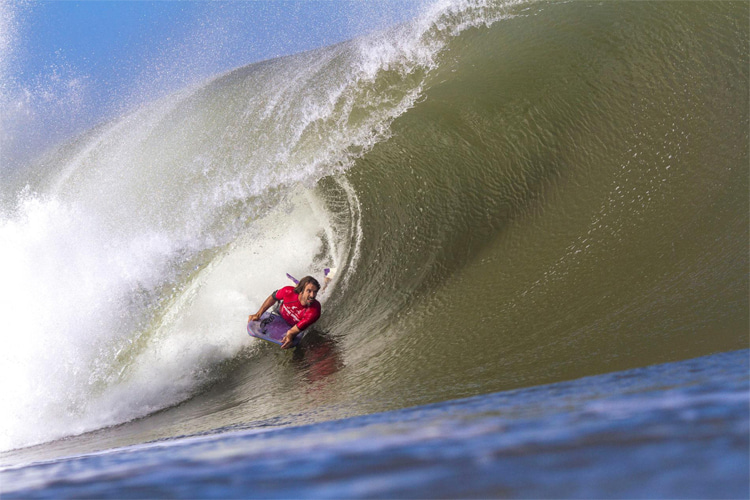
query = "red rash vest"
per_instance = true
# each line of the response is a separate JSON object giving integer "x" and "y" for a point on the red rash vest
{"x": 295, "y": 313}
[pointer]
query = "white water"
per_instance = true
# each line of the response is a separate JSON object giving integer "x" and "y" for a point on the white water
{"x": 131, "y": 265}
{"x": 82, "y": 359}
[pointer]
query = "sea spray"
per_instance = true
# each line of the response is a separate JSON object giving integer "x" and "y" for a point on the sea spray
{"x": 133, "y": 253}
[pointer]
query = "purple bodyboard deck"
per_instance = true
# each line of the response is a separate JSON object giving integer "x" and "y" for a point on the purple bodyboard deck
{"x": 272, "y": 328}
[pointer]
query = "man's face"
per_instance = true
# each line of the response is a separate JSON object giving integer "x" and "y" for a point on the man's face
{"x": 308, "y": 294}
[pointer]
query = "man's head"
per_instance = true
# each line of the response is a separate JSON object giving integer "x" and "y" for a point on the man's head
{"x": 307, "y": 289}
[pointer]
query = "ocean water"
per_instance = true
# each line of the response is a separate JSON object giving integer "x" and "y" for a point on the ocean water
{"x": 529, "y": 204}
{"x": 676, "y": 430}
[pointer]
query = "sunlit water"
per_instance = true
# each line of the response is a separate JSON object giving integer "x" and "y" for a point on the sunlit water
{"x": 515, "y": 194}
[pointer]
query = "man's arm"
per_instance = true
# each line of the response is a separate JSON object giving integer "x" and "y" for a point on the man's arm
{"x": 271, "y": 300}
{"x": 289, "y": 337}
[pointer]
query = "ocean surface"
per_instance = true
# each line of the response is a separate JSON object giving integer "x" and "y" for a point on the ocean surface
{"x": 676, "y": 430}
{"x": 538, "y": 213}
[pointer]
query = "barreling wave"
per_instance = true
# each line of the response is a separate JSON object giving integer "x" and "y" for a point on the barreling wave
{"x": 514, "y": 193}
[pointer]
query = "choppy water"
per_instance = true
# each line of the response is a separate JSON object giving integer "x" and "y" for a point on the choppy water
{"x": 669, "y": 431}
{"x": 514, "y": 193}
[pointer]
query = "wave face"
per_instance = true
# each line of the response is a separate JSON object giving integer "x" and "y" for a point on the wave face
{"x": 513, "y": 193}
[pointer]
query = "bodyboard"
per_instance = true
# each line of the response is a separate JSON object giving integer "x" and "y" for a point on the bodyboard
{"x": 272, "y": 328}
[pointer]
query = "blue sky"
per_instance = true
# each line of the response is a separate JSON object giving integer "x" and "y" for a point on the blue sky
{"x": 67, "y": 65}
{"x": 116, "y": 37}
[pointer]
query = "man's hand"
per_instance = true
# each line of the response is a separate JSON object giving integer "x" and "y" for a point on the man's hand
{"x": 288, "y": 339}
{"x": 271, "y": 300}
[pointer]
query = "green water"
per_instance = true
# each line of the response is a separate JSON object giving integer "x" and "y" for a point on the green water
{"x": 568, "y": 198}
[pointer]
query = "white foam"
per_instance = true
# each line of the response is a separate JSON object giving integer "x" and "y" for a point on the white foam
{"x": 72, "y": 358}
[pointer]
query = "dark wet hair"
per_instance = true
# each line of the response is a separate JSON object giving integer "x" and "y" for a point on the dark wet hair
{"x": 304, "y": 282}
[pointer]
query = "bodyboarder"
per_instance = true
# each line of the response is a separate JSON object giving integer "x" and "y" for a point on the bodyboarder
{"x": 299, "y": 307}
